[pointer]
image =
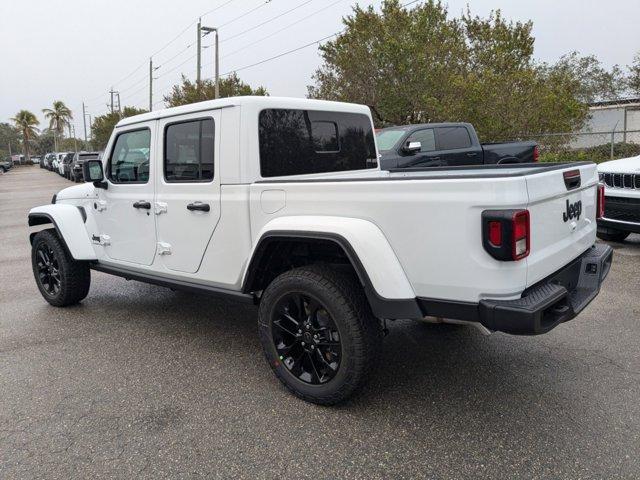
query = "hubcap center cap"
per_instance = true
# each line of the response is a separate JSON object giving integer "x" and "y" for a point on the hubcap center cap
{"x": 307, "y": 337}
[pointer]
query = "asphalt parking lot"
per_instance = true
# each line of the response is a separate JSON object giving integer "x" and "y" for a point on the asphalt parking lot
{"x": 139, "y": 381}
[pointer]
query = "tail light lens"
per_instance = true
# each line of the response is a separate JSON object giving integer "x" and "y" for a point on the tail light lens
{"x": 536, "y": 153}
{"x": 506, "y": 234}
{"x": 520, "y": 240}
{"x": 600, "y": 202}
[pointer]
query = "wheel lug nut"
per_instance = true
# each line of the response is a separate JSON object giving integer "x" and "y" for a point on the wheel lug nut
{"x": 303, "y": 344}
{"x": 313, "y": 347}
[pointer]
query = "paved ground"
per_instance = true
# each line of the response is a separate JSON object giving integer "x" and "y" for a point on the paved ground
{"x": 139, "y": 381}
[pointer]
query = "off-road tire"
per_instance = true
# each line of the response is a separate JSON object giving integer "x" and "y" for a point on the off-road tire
{"x": 75, "y": 276}
{"x": 611, "y": 235}
{"x": 343, "y": 298}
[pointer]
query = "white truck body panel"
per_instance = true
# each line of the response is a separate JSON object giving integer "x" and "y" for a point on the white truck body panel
{"x": 418, "y": 234}
{"x": 69, "y": 223}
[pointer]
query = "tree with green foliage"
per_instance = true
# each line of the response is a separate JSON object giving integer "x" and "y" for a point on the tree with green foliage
{"x": 634, "y": 75}
{"x": 596, "y": 82}
{"x": 9, "y": 139}
{"x": 420, "y": 65}
{"x": 104, "y": 125}
{"x": 26, "y": 122}
{"x": 59, "y": 116}
{"x": 192, "y": 92}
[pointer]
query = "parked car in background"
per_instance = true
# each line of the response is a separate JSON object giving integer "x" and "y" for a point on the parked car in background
{"x": 35, "y": 160}
{"x": 5, "y": 166}
{"x": 66, "y": 162}
{"x": 55, "y": 163}
{"x": 47, "y": 161}
{"x": 622, "y": 199}
{"x": 78, "y": 160}
{"x": 446, "y": 144}
{"x": 64, "y": 158}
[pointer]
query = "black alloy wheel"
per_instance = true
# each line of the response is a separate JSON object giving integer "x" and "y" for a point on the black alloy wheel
{"x": 306, "y": 338}
{"x": 61, "y": 279}
{"x": 48, "y": 269}
{"x": 318, "y": 333}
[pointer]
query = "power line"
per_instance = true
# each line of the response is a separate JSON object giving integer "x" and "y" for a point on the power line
{"x": 267, "y": 21}
{"x": 282, "y": 54}
{"x": 293, "y": 50}
{"x": 245, "y": 14}
{"x": 281, "y": 29}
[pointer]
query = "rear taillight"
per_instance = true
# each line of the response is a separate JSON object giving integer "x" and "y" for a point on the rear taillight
{"x": 495, "y": 233}
{"x": 506, "y": 234}
{"x": 536, "y": 153}
{"x": 600, "y": 202}
{"x": 520, "y": 240}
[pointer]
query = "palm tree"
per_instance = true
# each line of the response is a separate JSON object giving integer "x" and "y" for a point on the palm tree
{"x": 58, "y": 117}
{"x": 26, "y": 122}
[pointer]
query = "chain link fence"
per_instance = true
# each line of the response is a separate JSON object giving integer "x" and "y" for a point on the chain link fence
{"x": 591, "y": 146}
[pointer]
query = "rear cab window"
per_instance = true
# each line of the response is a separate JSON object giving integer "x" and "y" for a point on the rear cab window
{"x": 452, "y": 138}
{"x": 299, "y": 142}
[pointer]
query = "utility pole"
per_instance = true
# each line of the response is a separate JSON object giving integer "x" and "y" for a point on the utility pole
{"x": 84, "y": 122}
{"x": 90, "y": 145}
{"x": 111, "y": 92}
{"x": 150, "y": 84}
{"x": 75, "y": 140}
{"x": 119, "y": 105}
{"x": 199, "y": 45}
{"x": 208, "y": 30}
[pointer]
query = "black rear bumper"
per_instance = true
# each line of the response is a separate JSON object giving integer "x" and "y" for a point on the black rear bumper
{"x": 542, "y": 307}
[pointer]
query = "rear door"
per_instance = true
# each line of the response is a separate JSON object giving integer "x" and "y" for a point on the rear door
{"x": 563, "y": 217}
{"x": 187, "y": 203}
{"x": 455, "y": 146}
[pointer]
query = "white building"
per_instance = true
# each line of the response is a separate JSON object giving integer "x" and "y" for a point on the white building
{"x": 617, "y": 116}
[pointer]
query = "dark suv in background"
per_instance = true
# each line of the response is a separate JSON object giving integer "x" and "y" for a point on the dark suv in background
{"x": 76, "y": 164}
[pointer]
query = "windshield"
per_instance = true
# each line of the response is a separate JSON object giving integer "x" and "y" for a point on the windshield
{"x": 387, "y": 138}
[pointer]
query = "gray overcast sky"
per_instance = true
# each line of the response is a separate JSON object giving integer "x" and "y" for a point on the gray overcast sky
{"x": 74, "y": 50}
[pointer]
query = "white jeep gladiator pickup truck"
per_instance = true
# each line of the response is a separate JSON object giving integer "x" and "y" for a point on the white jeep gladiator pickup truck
{"x": 280, "y": 202}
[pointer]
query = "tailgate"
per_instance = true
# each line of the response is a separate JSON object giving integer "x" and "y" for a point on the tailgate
{"x": 563, "y": 217}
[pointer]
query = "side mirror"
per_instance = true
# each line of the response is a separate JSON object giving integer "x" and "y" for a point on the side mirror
{"x": 412, "y": 147}
{"x": 92, "y": 172}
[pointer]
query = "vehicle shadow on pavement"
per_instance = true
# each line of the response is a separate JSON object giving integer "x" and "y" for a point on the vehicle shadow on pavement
{"x": 420, "y": 365}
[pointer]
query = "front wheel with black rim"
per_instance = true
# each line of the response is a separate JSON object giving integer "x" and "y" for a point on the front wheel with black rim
{"x": 62, "y": 281}
{"x": 318, "y": 333}
{"x": 611, "y": 235}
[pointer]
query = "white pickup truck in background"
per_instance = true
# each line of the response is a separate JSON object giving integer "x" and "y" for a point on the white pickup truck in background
{"x": 280, "y": 202}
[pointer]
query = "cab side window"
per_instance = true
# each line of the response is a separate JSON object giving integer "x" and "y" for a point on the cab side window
{"x": 188, "y": 151}
{"x": 129, "y": 161}
{"x": 426, "y": 138}
{"x": 453, "y": 138}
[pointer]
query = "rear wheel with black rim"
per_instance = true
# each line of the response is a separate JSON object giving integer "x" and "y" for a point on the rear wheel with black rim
{"x": 61, "y": 280}
{"x": 318, "y": 333}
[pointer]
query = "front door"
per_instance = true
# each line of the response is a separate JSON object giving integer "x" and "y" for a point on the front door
{"x": 124, "y": 211}
{"x": 187, "y": 199}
